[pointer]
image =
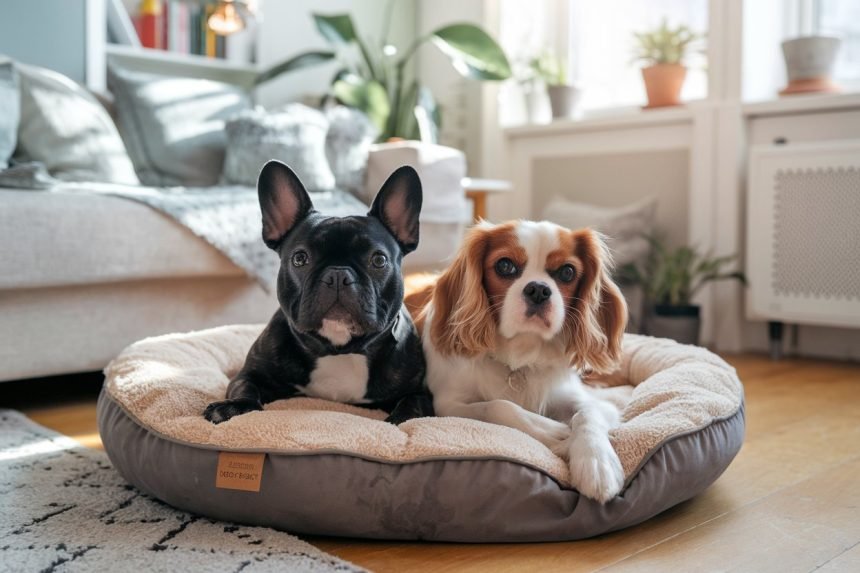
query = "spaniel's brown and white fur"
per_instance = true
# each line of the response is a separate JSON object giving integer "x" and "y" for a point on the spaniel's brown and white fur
{"x": 506, "y": 329}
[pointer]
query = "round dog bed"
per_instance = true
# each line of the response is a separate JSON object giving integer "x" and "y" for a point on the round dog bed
{"x": 315, "y": 467}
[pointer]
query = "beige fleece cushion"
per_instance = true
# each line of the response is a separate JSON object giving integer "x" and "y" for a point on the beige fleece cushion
{"x": 165, "y": 383}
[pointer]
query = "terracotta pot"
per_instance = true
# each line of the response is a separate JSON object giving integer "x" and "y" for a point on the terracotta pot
{"x": 663, "y": 83}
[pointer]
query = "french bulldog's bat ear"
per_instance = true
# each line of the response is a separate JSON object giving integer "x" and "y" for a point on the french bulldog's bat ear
{"x": 398, "y": 205}
{"x": 283, "y": 201}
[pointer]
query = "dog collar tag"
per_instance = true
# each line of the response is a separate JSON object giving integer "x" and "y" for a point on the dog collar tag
{"x": 242, "y": 471}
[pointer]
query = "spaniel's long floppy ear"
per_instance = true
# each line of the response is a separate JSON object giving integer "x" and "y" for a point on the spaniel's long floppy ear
{"x": 283, "y": 201}
{"x": 462, "y": 321}
{"x": 600, "y": 312}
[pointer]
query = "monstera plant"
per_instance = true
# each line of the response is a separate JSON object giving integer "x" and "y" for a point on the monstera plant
{"x": 376, "y": 78}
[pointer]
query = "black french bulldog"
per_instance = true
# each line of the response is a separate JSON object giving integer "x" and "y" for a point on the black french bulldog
{"x": 341, "y": 332}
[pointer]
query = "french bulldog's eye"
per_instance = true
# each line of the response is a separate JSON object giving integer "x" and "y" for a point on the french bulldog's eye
{"x": 378, "y": 260}
{"x": 299, "y": 259}
{"x": 566, "y": 273}
{"x": 505, "y": 267}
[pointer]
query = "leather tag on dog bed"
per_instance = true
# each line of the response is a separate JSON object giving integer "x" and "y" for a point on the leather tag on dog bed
{"x": 239, "y": 471}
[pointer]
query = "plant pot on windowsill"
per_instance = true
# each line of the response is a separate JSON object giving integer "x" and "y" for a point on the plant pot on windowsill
{"x": 678, "y": 322}
{"x": 663, "y": 83}
{"x": 563, "y": 99}
{"x": 809, "y": 64}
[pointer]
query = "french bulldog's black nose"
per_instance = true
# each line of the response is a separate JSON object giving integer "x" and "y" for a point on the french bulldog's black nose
{"x": 335, "y": 277}
{"x": 537, "y": 292}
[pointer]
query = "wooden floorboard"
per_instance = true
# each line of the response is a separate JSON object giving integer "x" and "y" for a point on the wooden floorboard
{"x": 789, "y": 502}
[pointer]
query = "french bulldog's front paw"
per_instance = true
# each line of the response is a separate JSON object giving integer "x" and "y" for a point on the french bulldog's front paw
{"x": 218, "y": 412}
{"x": 595, "y": 469}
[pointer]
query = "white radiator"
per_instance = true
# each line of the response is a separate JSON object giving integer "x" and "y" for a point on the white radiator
{"x": 803, "y": 233}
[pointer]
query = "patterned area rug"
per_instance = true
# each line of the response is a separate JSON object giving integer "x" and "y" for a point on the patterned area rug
{"x": 64, "y": 508}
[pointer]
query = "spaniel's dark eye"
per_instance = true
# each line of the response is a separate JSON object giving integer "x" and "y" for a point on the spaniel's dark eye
{"x": 566, "y": 273}
{"x": 299, "y": 259}
{"x": 378, "y": 260}
{"x": 506, "y": 267}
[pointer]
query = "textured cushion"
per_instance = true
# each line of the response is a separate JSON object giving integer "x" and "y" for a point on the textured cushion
{"x": 294, "y": 134}
{"x": 627, "y": 227}
{"x": 441, "y": 169}
{"x": 336, "y": 469}
{"x": 10, "y": 111}
{"x": 174, "y": 127}
{"x": 347, "y": 145}
{"x": 64, "y": 127}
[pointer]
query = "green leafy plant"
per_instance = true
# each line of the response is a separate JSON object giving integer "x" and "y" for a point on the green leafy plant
{"x": 376, "y": 78}
{"x": 674, "y": 276}
{"x": 549, "y": 68}
{"x": 664, "y": 45}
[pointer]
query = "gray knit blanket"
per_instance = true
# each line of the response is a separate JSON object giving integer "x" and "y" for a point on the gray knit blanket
{"x": 228, "y": 218}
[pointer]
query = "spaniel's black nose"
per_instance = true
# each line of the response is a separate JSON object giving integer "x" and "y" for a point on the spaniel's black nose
{"x": 537, "y": 293}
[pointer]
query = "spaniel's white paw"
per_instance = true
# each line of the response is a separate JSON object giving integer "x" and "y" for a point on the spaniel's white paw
{"x": 595, "y": 470}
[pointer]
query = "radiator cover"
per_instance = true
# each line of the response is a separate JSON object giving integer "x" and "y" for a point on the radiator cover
{"x": 803, "y": 233}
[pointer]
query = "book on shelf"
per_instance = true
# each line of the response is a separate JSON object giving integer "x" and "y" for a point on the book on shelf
{"x": 178, "y": 26}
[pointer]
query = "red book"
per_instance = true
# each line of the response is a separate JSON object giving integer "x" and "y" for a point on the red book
{"x": 150, "y": 27}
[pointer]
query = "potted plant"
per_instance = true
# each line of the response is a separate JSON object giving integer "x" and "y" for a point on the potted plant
{"x": 809, "y": 64}
{"x": 664, "y": 50}
{"x": 670, "y": 279}
{"x": 563, "y": 96}
{"x": 375, "y": 76}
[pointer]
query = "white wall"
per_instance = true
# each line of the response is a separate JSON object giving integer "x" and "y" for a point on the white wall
{"x": 287, "y": 29}
{"x": 458, "y": 97}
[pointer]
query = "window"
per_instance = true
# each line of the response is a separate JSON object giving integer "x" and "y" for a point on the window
{"x": 601, "y": 44}
{"x": 596, "y": 40}
{"x": 841, "y": 18}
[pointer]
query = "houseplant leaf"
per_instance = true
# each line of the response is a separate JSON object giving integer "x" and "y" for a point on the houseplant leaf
{"x": 303, "y": 60}
{"x": 366, "y": 95}
{"x": 473, "y": 53}
{"x": 337, "y": 28}
{"x": 339, "y": 31}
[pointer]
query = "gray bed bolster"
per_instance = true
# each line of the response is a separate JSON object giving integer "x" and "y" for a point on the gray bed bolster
{"x": 460, "y": 500}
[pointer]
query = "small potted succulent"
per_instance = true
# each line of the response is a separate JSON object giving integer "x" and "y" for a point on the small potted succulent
{"x": 664, "y": 50}
{"x": 563, "y": 96}
{"x": 670, "y": 279}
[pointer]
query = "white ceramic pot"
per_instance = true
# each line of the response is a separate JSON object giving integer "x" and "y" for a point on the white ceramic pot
{"x": 810, "y": 57}
{"x": 563, "y": 100}
{"x": 534, "y": 97}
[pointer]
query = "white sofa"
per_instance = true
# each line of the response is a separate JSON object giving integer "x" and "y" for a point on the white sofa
{"x": 82, "y": 276}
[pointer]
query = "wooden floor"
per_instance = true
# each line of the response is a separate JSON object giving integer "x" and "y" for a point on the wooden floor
{"x": 789, "y": 502}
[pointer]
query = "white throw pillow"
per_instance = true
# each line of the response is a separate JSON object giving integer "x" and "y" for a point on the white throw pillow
{"x": 626, "y": 227}
{"x": 64, "y": 127}
{"x": 10, "y": 111}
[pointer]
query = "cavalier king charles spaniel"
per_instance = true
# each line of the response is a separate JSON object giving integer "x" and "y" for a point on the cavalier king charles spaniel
{"x": 525, "y": 307}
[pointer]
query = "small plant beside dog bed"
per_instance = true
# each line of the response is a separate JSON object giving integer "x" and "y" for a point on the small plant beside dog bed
{"x": 670, "y": 279}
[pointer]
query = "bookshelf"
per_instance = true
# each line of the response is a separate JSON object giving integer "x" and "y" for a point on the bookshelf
{"x": 175, "y": 64}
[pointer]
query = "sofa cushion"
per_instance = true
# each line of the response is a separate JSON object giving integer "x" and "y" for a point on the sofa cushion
{"x": 10, "y": 111}
{"x": 627, "y": 227}
{"x": 294, "y": 134}
{"x": 60, "y": 238}
{"x": 67, "y": 129}
{"x": 174, "y": 127}
{"x": 347, "y": 146}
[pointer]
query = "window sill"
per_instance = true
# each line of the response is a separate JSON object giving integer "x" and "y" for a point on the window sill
{"x": 802, "y": 104}
{"x": 618, "y": 119}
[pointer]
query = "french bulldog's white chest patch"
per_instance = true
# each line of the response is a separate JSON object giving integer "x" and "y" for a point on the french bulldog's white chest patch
{"x": 340, "y": 378}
